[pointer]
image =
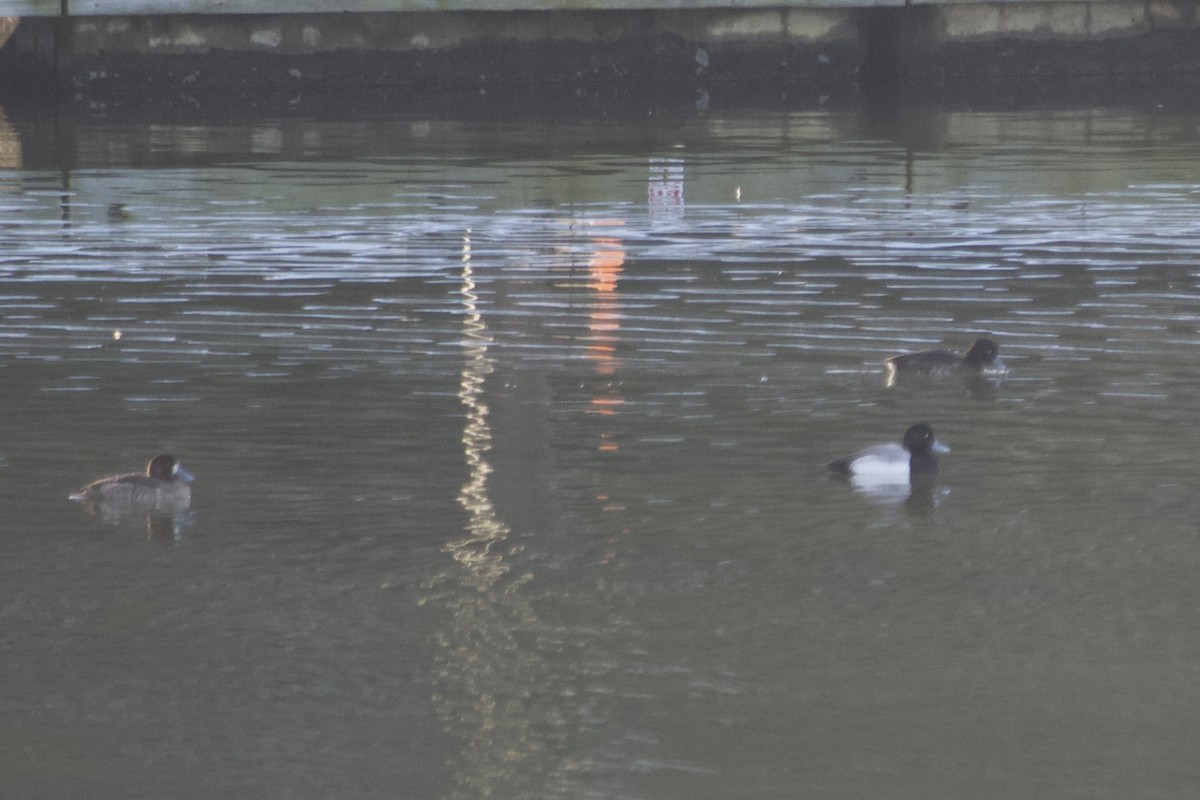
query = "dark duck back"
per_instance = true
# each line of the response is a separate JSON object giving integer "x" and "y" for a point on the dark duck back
{"x": 983, "y": 356}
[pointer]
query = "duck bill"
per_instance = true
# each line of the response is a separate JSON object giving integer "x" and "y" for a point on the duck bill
{"x": 997, "y": 367}
{"x": 184, "y": 475}
{"x": 938, "y": 447}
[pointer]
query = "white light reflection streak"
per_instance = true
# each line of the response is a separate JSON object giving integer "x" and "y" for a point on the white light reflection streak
{"x": 488, "y": 677}
{"x": 483, "y": 526}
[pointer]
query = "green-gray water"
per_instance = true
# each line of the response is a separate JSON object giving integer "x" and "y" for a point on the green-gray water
{"x": 510, "y": 442}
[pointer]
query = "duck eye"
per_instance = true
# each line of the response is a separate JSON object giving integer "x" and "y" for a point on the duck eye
{"x": 174, "y": 468}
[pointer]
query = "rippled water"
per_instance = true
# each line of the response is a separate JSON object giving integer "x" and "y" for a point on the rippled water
{"x": 510, "y": 441}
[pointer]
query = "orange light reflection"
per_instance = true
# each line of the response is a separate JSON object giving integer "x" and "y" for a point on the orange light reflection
{"x": 604, "y": 322}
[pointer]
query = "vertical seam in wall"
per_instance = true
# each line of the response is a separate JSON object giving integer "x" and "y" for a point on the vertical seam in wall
{"x": 63, "y": 43}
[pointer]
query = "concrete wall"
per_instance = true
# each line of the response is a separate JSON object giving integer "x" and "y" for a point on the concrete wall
{"x": 427, "y": 49}
{"x": 297, "y": 34}
{"x": 54, "y": 8}
{"x": 815, "y": 43}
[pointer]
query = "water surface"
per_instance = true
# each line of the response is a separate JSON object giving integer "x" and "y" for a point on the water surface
{"x": 510, "y": 441}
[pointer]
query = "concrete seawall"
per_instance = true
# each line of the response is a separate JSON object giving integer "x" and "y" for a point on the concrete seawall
{"x": 813, "y": 45}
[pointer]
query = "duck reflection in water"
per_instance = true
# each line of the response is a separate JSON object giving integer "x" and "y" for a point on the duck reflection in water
{"x": 161, "y": 495}
{"x": 980, "y": 367}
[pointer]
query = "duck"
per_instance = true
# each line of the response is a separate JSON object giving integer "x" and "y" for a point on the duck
{"x": 163, "y": 488}
{"x": 982, "y": 358}
{"x": 913, "y": 458}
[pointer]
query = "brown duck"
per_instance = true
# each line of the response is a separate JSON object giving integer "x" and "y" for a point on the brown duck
{"x": 162, "y": 488}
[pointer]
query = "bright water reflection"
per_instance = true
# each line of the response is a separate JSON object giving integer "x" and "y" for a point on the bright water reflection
{"x": 510, "y": 443}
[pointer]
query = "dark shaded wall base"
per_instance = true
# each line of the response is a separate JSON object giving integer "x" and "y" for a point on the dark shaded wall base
{"x": 1165, "y": 54}
{"x": 633, "y": 62}
{"x": 817, "y": 50}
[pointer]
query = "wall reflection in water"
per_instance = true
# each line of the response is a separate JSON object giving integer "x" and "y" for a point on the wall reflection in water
{"x": 10, "y": 144}
{"x": 664, "y": 191}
